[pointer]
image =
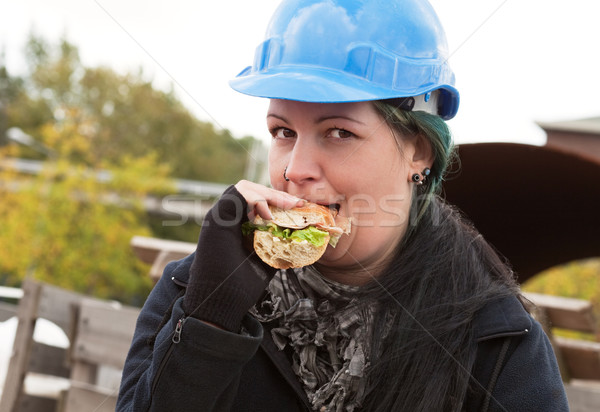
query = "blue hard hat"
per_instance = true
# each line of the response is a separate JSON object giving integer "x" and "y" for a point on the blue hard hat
{"x": 332, "y": 51}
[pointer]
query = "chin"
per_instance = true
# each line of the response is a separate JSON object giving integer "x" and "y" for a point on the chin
{"x": 336, "y": 256}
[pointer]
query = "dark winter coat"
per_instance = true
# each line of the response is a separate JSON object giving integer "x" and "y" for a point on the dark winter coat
{"x": 182, "y": 364}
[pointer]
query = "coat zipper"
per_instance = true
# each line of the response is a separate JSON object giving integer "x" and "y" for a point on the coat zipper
{"x": 175, "y": 340}
{"x": 178, "y": 329}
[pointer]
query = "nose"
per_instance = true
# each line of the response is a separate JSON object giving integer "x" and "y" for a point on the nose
{"x": 304, "y": 164}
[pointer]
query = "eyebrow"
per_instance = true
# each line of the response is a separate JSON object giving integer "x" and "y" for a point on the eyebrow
{"x": 333, "y": 117}
{"x": 320, "y": 119}
{"x": 276, "y": 116}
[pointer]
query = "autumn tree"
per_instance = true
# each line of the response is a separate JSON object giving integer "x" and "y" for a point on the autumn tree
{"x": 10, "y": 89}
{"x": 71, "y": 224}
{"x": 126, "y": 115}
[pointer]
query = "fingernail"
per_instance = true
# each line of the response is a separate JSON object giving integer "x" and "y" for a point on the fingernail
{"x": 268, "y": 215}
{"x": 297, "y": 201}
{"x": 293, "y": 198}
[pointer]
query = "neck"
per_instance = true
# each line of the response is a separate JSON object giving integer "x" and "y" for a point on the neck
{"x": 360, "y": 272}
{"x": 357, "y": 273}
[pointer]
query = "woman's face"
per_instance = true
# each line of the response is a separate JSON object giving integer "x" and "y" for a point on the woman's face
{"x": 346, "y": 154}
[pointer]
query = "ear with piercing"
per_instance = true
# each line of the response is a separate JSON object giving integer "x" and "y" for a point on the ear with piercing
{"x": 419, "y": 178}
{"x": 284, "y": 176}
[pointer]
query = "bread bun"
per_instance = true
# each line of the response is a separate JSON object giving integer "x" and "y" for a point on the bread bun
{"x": 311, "y": 214}
{"x": 285, "y": 253}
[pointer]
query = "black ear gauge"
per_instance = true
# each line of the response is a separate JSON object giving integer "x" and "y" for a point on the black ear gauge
{"x": 420, "y": 178}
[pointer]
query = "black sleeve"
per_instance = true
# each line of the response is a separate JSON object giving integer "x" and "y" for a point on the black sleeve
{"x": 226, "y": 279}
{"x": 190, "y": 365}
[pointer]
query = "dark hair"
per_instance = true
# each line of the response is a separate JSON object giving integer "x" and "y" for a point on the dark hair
{"x": 442, "y": 274}
{"x": 435, "y": 132}
{"x": 433, "y": 128}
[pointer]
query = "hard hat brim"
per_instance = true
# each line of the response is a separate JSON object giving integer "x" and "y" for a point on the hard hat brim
{"x": 329, "y": 86}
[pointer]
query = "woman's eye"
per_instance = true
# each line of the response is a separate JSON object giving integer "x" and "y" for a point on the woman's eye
{"x": 282, "y": 133}
{"x": 341, "y": 133}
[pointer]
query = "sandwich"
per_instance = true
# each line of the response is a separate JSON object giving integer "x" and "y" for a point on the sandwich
{"x": 296, "y": 237}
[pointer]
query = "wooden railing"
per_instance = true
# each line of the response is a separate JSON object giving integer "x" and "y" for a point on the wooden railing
{"x": 100, "y": 334}
{"x": 159, "y": 252}
{"x": 579, "y": 359}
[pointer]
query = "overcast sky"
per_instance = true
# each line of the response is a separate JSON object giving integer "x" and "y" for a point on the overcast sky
{"x": 516, "y": 61}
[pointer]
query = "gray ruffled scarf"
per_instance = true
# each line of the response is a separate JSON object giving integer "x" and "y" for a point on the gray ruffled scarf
{"x": 329, "y": 331}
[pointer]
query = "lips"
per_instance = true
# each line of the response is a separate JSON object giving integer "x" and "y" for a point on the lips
{"x": 333, "y": 203}
{"x": 334, "y": 207}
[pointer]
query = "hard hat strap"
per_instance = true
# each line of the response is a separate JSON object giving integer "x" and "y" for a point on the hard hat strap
{"x": 426, "y": 102}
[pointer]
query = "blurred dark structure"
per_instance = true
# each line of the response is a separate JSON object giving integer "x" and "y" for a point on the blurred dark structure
{"x": 539, "y": 206}
{"x": 575, "y": 136}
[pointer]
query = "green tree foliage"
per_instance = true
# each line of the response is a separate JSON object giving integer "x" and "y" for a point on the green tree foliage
{"x": 10, "y": 89}
{"x": 125, "y": 114}
{"x": 71, "y": 224}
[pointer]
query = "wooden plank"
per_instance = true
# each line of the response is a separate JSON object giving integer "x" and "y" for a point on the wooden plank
{"x": 147, "y": 249}
{"x": 163, "y": 258}
{"x": 583, "y": 398}
{"x": 104, "y": 333}
{"x": 582, "y": 358}
{"x": 81, "y": 397}
{"x": 55, "y": 305}
{"x": 85, "y": 372}
{"x": 48, "y": 360}
{"x": 567, "y": 313}
{"x": 30, "y": 403}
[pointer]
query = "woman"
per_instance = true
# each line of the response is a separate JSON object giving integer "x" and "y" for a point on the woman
{"x": 413, "y": 311}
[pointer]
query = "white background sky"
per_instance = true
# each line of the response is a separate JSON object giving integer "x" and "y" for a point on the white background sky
{"x": 516, "y": 61}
